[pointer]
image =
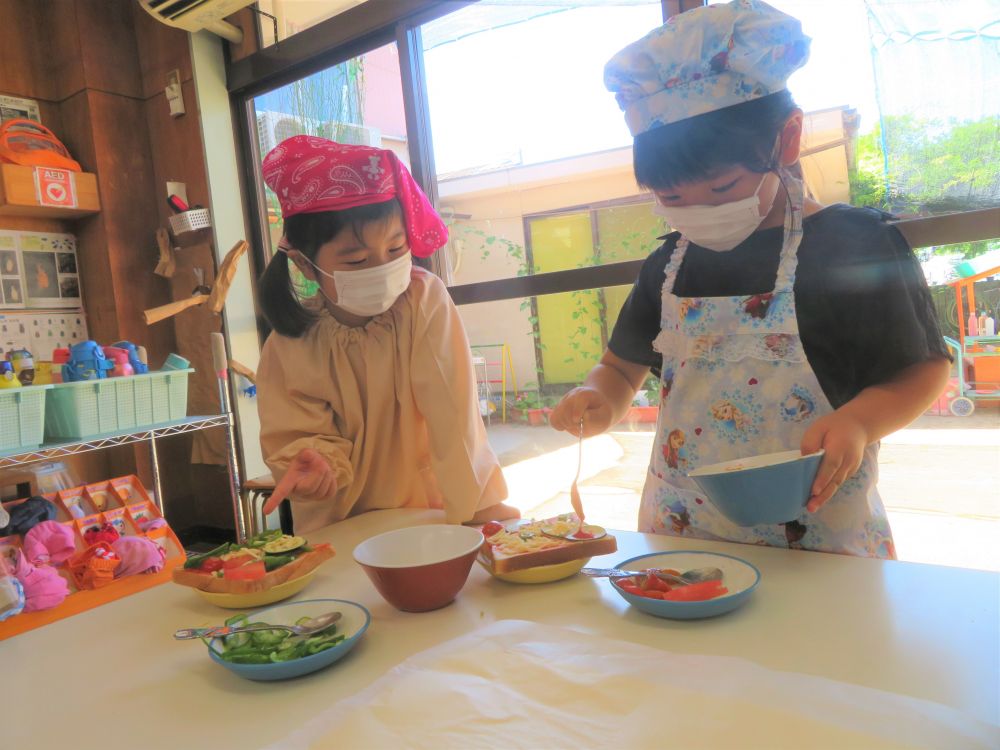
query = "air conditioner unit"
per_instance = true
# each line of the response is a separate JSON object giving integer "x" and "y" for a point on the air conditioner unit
{"x": 274, "y": 127}
{"x": 195, "y": 15}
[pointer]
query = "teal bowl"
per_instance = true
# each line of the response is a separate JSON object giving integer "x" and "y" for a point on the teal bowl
{"x": 739, "y": 576}
{"x": 353, "y": 623}
{"x": 768, "y": 489}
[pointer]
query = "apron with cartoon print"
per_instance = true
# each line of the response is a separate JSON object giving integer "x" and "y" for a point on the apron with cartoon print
{"x": 736, "y": 383}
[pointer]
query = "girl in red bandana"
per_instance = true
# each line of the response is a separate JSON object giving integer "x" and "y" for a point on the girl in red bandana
{"x": 366, "y": 392}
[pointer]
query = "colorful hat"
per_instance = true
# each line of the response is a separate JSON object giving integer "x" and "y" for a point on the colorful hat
{"x": 44, "y": 588}
{"x": 705, "y": 59}
{"x": 311, "y": 174}
{"x": 139, "y": 555}
{"x": 49, "y": 542}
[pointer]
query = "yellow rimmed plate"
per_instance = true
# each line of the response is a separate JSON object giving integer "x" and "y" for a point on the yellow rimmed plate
{"x": 260, "y": 598}
{"x": 541, "y": 574}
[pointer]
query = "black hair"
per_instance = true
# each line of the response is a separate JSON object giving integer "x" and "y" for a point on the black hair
{"x": 307, "y": 233}
{"x": 692, "y": 149}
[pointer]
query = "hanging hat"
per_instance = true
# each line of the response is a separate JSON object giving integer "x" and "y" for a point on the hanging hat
{"x": 310, "y": 175}
{"x": 705, "y": 59}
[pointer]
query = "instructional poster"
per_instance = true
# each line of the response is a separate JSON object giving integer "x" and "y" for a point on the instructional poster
{"x": 38, "y": 270}
{"x": 12, "y": 107}
{"x": 11, "y": 288}
{"x": 41, "y": 332}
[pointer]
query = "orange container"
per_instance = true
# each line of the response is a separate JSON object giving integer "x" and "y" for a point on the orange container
{"x": 130, "y": 516}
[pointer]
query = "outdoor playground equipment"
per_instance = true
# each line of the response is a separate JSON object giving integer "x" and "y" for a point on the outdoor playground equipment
{"x": 977, "y": 357}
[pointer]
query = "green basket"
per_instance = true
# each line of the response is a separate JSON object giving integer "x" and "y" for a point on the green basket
{"x": 22, "y": 417}
{"x": 97, "y": 407}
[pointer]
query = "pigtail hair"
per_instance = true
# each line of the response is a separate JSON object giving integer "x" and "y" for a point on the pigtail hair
{"x": 279, "y": 302}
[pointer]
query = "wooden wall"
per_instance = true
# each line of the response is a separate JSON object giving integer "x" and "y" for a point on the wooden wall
{"x": 98, "y": 69}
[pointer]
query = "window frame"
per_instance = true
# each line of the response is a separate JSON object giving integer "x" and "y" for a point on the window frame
{"x": 379, "y": 22}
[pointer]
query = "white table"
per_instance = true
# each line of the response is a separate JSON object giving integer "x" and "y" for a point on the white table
{"x": 115, "y": 672}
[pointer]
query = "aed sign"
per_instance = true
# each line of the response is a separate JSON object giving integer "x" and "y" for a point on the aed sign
{"x": 55, "y": 187}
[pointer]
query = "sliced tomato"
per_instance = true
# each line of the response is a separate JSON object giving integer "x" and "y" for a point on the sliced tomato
{"x": 655, "y": 583}
{"x": 250, "y": 572}
{"x": 237, "y": 561}
{"x": 492, "y": 528}
{"x": 696, "y": 592}
{"x": 211, "y": 564}
{"x": 630, "y": 588}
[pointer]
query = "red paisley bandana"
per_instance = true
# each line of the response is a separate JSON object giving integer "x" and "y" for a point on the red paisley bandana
{"x": 311, "y": 174}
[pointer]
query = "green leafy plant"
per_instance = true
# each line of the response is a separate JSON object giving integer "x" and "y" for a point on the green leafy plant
{"x": 934, "y": 166}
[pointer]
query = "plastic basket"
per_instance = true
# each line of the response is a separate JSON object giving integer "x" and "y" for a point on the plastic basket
{"x": 22, "y": 417}
{"x": 97, "y": 407}
{"x": 190, "y": 221}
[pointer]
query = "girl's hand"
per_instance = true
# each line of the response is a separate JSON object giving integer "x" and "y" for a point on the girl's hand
{"x": 309, "y": 478}
{"x": 584, "y": 403}
{"x": 843, "y": 438}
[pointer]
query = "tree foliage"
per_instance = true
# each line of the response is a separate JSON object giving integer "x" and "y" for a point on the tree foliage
{"x": 933, "y": 167}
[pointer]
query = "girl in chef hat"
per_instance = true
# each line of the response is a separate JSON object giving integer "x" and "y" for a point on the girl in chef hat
{"x": 366, "y": 392}
{"x": 794, "y": 300}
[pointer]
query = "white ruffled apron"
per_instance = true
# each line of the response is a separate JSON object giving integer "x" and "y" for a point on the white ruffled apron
{"x": 736, "y": 383}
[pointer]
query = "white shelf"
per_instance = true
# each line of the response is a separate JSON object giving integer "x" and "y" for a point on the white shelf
{"x": 58, "y": 450}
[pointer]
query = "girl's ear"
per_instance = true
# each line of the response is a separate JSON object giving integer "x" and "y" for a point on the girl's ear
{"x": 791, "y": 139}
{"x": 302, "y": 264}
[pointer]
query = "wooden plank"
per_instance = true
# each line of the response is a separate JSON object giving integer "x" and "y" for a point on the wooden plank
{"x": 22, "y": 59}
{"x": 334, "y": 40}
{"x": 163, "y": 49}
{"x": 577, "y": 279}
{"x": 949, "y": 229}
{"x": 129, "y": 215}
{"x": 17, "y": 195}
{"x": 57, "y": 36}
{"x": 176, "y": 147}
{"x": 52, "y": 119}
{"x": 32, "y": 224}
{"x": 246, "y": 21}
{"x": 108, "y": 51}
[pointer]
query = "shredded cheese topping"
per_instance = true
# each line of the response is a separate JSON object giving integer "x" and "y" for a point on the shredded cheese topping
{"x": 529, "y": 537}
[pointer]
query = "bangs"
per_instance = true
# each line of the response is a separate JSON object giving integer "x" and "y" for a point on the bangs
{"x": 307, "y": 233}
{"x": 700, "y": 147}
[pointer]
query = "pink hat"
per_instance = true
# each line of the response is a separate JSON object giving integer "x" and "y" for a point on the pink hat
{"x": 139, "y": 555}
{"x": 49, "y": 541}
{"x": 44, "y": 588}
{"x": 311, "y": 174}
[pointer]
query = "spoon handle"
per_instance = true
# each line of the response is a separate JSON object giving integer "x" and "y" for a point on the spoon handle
{"x": 185, "y": 634}
{"x": 618, "y": 573}
{"x": 574, "y": 490}
{"x": 610, "y": 572}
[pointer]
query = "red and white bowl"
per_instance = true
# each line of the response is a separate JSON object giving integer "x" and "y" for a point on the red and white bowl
{"x": 420, "y": 568}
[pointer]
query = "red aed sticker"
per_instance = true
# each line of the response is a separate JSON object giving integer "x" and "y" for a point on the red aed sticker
{"x": 55, "y": 187}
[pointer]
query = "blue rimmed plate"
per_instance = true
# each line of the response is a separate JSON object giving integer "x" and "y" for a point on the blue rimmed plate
{"x": 353, "y": 624}
{"x": 739, "y": 576}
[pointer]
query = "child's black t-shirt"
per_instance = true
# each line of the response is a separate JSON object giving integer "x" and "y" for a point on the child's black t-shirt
{"x": 864, "y": 310}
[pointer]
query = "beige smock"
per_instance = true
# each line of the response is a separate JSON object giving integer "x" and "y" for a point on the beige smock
{"x": 392, "y": 405}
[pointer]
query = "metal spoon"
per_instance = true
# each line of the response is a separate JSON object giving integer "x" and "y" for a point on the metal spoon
{"x": 585, "y": 533}
{"x": 574, "y": 491}
{"x": 697, "y": 575}
{"x": 313, "y": 625}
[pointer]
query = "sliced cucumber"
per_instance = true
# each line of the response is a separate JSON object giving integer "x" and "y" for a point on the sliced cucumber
{"x": 237, "y": 621}
{"x": 236, "y": 640}
{"x": 284, "y": 543}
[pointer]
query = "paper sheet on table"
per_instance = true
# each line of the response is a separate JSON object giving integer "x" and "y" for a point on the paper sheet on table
{"x": 516, "y": 684}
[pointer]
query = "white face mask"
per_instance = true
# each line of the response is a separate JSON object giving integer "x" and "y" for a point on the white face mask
{"x": 370, "y": 291}
{"x": 721, "y": 227}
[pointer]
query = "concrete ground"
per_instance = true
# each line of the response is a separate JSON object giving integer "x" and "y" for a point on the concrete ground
{"x": 939, "y": 479}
